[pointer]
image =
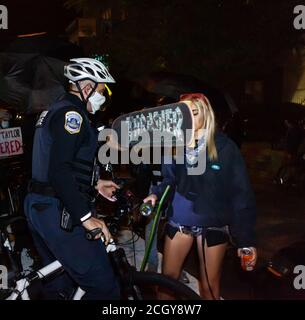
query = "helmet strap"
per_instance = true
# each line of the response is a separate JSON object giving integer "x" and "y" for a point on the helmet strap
{"x": 81, "y": 92}
{"x": 92, "y": 91}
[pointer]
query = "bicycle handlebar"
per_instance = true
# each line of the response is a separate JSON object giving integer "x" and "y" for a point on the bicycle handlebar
{"x": 91, "y": 234}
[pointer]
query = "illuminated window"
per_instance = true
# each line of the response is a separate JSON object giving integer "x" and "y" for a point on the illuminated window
{"x": 124, "y": 14}
{"x": 106, "y": 14}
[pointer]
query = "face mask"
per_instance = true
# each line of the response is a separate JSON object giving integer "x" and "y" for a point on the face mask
{"x": 4, "y": 124}
{"x": 96, "y": 101}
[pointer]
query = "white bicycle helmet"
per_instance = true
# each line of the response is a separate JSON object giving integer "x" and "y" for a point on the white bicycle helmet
{"x": 87, "y": 69}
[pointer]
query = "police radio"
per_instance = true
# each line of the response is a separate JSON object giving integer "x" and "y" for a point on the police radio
{"x": 95, "y": 172}
{"x": 66, "y": 220}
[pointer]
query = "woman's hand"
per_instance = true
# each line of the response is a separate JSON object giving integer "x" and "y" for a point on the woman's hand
{"x": 153, "y": 198}
{"x": 251, "y": 262}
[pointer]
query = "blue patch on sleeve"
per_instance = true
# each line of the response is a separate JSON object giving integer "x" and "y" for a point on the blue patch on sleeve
{"x": 73, "y": 122}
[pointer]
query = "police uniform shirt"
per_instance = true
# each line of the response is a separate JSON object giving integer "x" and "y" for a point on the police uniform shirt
{"x": 72, "y": 147}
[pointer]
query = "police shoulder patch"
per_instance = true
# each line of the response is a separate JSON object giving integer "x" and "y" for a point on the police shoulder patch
{"x": 73, "y": 122}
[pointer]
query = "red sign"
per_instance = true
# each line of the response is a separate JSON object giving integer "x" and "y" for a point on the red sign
{"x": 10, "y": 142}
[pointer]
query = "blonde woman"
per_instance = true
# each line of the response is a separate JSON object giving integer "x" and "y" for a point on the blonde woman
{"x": 210, "y": 207}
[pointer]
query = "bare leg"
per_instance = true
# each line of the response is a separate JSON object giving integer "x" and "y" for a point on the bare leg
{"x": 175, "y": 252}
{"x": 212, "y": 267}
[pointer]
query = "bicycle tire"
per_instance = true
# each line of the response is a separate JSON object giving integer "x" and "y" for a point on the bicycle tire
{"x": 143, "y": 281}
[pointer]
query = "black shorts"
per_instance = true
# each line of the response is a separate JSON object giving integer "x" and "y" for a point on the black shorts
{"x": 213, "y": 235}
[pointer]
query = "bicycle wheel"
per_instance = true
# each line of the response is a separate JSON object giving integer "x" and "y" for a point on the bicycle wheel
{"x": 146, "y": 286}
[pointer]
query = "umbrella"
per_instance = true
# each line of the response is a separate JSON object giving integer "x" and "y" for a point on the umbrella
{"x": 170, "y": 86}
{"x": 46, "y": 46}
{"x": 31, "y": 72}
{"x": 166, "y": 87}
{"x": 30, "y": 82}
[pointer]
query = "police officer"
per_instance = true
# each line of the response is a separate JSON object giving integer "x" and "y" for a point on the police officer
{"x": 58, "y": 207}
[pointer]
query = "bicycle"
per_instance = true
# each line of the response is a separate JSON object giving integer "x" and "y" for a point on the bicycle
{"x": 292, "y": 175}
{"x": 12, "y": 186}
{"x": 135, "y": 285}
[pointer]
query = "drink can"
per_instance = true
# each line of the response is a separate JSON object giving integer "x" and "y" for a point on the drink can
{"x": 246, "y": 257}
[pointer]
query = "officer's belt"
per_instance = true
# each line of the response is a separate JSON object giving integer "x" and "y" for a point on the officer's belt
{"x": 42, "y": 188}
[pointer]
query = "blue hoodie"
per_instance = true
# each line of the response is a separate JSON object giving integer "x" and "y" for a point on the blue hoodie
{"x": 222, "y": 195}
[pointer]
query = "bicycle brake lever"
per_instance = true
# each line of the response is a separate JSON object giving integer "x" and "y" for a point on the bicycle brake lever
{"x": 111, "y": 246}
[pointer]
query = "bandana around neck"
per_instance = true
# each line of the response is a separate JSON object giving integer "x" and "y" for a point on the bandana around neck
{"x": 193, "y": 153}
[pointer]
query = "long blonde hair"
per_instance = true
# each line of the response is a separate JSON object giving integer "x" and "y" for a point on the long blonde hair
{"x": 209, "y": 124}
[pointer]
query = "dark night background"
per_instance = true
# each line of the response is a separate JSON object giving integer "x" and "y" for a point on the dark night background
{"x": 36, "y": 16}
{"x": 213, "y": 39}
{"x": 238, "y": 46}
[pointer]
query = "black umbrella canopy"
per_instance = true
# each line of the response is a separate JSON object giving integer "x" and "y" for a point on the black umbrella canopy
{"x": 166, "y": 87}
{"x": 171, "y": 86}
{"x": 30, "y": 82}
{"x": 163, "y": 88}
{"x": 45, "y": 45}
{"x": 31, "y": 72}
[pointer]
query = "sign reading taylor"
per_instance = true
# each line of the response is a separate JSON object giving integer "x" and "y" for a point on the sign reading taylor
{"x": 10, "y": 142}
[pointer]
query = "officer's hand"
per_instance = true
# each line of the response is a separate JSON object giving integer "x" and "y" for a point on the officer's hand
{"x": 93, "y": 223}
{"x": 153, "y": 198}
{"x": 107, "y": 188}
